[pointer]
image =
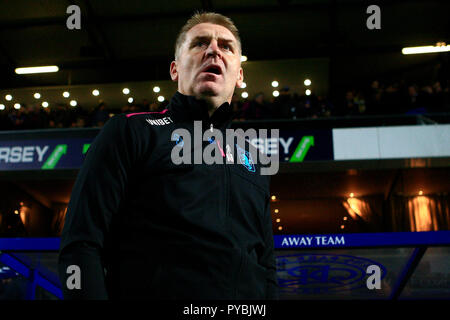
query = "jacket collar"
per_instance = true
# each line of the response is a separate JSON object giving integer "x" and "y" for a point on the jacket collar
{"x": 188, "y": 108}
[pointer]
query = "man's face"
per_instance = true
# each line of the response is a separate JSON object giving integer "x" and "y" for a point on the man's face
{"x": 208, "y": 64}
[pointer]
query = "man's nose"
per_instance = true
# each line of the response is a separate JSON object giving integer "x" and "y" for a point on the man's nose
{"x": 213, "y": 49}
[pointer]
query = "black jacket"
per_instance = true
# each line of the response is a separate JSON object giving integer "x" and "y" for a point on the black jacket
{"x": 139, "y": 226}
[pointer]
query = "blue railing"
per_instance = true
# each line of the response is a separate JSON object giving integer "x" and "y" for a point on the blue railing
{"x": 48, "y": 281}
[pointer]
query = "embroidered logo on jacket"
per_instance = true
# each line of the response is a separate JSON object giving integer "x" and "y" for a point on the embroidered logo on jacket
{"x": 245, "y": 158}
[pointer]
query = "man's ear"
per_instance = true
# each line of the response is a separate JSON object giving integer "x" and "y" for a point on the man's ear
{"x": 173, "y": 71}
{"x": 240, "y": 78}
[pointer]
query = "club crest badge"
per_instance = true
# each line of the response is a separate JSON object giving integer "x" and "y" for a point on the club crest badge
{"x": 245, "y": 158}
{"x": 178, "y": 140}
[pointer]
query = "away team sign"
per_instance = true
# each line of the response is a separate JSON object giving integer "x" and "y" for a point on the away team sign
{"x": 69, "y": 153}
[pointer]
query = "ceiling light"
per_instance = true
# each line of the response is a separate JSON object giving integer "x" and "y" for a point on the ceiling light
{"x": 2, "y": 107}
{"x": 73, "y": 103}
{"x": 280, "y": 228}
{"x": 420, "y": 192}
{"x": 37, "y": 95}
{"x": 95, "y": 92}
{"x": 276, "y": 211}
{"x": 66, "y": 94}
{"x": 243, "y": 58}
{"x": 307, "y": 82}
{"x": 274, "y": 84}
{"x": 45, "y": 104}
{"x": 345, "y": 218}
{"x": 160, "y": 98}
{"x": 17, "y": 106}
{"x": 278, "y": 220}
{"x": 273, "y": 198}
{"x": 352, "y": 195}
{"x": 308, "y": 92}
{"x": 31, "y": 70}
{"x": 440, "y": 47}
{"x": 126, "y": 91}
{"x": 342, "y": 226}
{"x": 156, "y": 89}
{"x": 243, "y": 85}
{"x": 275, "y": 93}
{"x": 130, "y": 100}
{"x": 8, "y": 97}
{"x": 244, "y": 95}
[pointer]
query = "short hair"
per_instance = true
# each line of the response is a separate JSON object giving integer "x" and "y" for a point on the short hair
{"x": 207, "y": 17}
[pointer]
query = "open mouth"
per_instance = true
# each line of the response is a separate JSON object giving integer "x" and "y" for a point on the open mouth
{"x": 213, "y": 69}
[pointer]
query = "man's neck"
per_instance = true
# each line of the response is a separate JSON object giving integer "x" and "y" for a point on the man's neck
{"x": 212, "y": 103}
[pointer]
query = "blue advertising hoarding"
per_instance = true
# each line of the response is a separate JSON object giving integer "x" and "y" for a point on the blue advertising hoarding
{"x": 69, "y": 152}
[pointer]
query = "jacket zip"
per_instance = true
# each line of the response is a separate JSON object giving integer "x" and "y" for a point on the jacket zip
{"x": 237, "y": 275}
{"x": 227, "y": 216}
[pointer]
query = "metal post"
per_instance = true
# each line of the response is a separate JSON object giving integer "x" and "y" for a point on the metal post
{"x": 407, "y": 272}
{"x": 31, "y": 285}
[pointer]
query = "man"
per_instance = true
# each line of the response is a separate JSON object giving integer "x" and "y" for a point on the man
{"x": 139, "y": 226}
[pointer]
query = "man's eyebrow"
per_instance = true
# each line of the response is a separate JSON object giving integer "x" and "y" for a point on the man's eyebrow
{"x": 209, "y": 38}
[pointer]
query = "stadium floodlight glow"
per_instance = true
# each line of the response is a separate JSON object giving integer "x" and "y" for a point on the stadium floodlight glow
{"x": 30, "y": 70}
{"x": 2, "y": 107}
{"x": 66, "y": 94}
{"x": 156, "y": 89}
{"x": 308, "y": 92}
{"x": 8, "y": 97}
{"x": 243, "y": 58}
{"x": 243, "y": 85}
{"x": 126, "y": 91}
{"x": 17, "y": 106}
{"x": 439, "y": 47}
{"x": 274, "y": 84}
{"x": 244, "y": 95}
{"x": 45, "y": 104}
{"x": 275, "y": 93}
{"x": 161, "y": 98}
{"x": 130, "y": 100}
{"x": 307, "y": 82}
{"x": 73, "y": 103}
{"x": 37, "y": 95}
{"x": 95, "y": 92}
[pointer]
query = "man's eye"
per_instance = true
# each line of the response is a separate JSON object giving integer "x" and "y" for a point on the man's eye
{"x": 226, "y": 47}
{"x": 200, "y": 44}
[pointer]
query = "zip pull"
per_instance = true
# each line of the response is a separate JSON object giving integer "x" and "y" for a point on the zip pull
{"x": 211, "y": 127}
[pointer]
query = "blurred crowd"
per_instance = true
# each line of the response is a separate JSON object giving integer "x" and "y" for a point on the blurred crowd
{"x": 375, "y": 99}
